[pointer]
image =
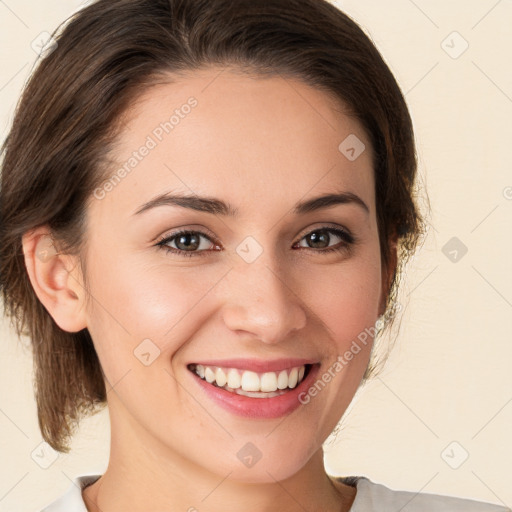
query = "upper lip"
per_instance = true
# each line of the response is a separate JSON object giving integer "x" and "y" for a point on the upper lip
{"x": 257, "y": 365}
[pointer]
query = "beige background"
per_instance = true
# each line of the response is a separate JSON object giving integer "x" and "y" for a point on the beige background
{"x": 449, "y": 378}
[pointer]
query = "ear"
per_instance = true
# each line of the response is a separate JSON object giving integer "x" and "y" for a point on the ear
{"x": 389, "y": 272}
{"x": 56, "y": 279}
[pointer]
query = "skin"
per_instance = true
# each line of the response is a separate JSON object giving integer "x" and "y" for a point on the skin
{"x": 262, "y": 145}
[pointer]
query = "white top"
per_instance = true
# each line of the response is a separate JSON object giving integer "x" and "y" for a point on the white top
{"x": 370, "y": 497}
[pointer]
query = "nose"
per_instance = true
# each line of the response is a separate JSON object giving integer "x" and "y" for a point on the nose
{"x": 261, "y": 302}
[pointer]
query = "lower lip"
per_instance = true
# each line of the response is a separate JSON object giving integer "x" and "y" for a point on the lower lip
{"x": 250, "y": 407}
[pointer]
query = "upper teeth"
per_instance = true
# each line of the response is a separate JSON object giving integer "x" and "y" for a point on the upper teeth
{"x": 251, "y": 381}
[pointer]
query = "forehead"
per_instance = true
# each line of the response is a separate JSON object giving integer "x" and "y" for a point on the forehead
{"x": 246, "y": 138}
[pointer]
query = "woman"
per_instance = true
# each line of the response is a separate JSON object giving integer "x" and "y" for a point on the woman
{"x": 202, "y": 231}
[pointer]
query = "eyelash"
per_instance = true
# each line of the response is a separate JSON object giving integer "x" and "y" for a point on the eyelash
{"x": 347, "y": 238}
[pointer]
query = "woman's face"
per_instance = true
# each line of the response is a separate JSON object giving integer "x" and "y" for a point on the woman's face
{"x": 252, "y": 290}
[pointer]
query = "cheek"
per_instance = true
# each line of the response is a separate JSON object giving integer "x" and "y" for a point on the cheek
{"x": 140, "y": 317}
{"x": 135, "y": 301}
{"x": 345, "y": 296}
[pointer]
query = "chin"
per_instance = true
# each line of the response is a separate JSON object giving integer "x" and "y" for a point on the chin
{"x": 266, "y": 464}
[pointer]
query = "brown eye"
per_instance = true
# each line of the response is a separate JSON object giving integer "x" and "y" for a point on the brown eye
{"x": 321, "y": 239}
{"x": 318, "y": 239}
{"x": 187, "y": 243}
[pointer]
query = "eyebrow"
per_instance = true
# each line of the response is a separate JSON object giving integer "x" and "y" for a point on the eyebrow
{"x": 216, "y": 206}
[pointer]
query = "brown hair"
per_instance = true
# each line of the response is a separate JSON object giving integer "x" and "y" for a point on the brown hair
{"x": 67, "y": 118}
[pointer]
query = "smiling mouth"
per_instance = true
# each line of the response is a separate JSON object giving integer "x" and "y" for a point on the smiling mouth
{"x": 249, "y": 383}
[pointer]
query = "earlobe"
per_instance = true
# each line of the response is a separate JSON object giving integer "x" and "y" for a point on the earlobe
{"x": 56, "y": 280}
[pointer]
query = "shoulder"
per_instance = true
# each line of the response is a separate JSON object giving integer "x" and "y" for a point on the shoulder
{"x": 372, "y": 496}
{"x": 71, "y": 500}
